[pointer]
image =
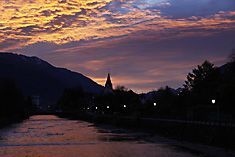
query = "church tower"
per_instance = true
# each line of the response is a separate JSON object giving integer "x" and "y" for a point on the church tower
{"x": 108, "y": 85}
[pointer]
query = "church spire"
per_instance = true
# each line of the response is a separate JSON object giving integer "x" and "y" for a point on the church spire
{"x": 108, "y": 85}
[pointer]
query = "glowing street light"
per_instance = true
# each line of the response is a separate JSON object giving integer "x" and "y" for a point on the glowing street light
{"x": 213, "y": 101}
{"x": 96, "y": 108}
{"x": 107, "y": 106}
{"x": 124, "y": 106}
{"x": 154, "y": 104}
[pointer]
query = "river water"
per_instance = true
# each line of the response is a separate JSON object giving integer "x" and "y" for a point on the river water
{"x": 48, "y": 135}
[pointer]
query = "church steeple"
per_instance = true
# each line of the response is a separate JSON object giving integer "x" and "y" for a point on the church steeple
{"x": 108, "y": 85}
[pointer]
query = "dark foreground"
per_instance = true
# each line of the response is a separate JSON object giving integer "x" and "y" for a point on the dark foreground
{"x": 48, "y": 135}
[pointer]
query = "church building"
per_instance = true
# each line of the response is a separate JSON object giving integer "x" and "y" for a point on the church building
{"x": 108, "y": 85}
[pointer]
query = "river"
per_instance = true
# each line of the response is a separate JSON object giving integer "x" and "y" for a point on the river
{"x": 48, "y": 135}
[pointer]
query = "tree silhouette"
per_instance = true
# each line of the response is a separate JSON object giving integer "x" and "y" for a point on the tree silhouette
{"x": 72, "y": 99}
{"x": 121, "y": 88}
{"x": 227, "y": 94}
{"x": 202, "y": 77}
{"x": 29, "y": 105}
{"x": 12, "y": 100}
{"x": 203, "y": 83}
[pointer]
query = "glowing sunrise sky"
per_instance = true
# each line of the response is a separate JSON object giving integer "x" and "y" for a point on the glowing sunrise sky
{"x": 146, "y": 44}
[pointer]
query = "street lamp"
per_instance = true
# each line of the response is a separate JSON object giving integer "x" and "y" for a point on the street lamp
{"x": 213, "y": 101}
{"x": 218, "y": 109}
{"x": 96, "y": 108}
{"x": 107, "y": 106}
{"x": 154, "y": 104}
{"x": 124, "y": 106}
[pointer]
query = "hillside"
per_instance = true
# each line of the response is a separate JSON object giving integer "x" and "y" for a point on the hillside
{"x": 35, "y": 76}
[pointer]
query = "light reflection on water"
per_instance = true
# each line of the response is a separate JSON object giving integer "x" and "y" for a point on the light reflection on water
{"x": 48, "y": 135}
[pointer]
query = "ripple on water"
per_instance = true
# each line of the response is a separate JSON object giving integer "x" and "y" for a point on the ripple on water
{"x": 53, "y": 134}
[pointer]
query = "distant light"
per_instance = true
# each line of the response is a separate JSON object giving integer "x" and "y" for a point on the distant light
{"x": 124, "y": 106}
{"x": 88, "y": 108}
{"x": 213, "y": 101}
{"x": 154, "y": 104}
{"x": 96, "y": 108}
{"x": 107, "y": 106}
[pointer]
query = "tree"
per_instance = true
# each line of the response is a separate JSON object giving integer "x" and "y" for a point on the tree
{"x": 12, "y": 99}
{"x": 29, "y": 105}
{"x": 121, "y": 88}
{"x": 203, "y": 83}
{"x": 227, "y": 94}
{"x": 202, "y": 77}
{"x": 72, "y": 99}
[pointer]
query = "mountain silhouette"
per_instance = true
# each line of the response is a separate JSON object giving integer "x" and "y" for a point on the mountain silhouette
{"x": 35, "y": 76}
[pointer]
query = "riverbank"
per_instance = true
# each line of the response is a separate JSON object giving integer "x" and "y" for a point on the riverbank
{"x": 194, "y": 148}
{"x": 6, "y": 121}
{"x": 211, "y": 135}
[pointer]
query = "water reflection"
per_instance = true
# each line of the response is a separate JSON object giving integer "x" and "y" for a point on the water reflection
{"x": 48, "y": 135}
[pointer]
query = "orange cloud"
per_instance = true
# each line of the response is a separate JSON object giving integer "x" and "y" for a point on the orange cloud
{"x": 62, "y": 22}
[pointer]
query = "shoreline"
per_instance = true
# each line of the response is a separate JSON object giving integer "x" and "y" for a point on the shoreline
{"x": 214, "y": 136}
{"x": 7, "y": 121}
{"x": 194, "y": 148}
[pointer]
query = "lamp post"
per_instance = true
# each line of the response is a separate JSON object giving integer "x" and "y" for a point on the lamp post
{"x": 218, "y": 111}
{"x": 154, "y": 104}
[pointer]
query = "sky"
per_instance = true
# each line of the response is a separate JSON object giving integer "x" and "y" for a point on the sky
{"x": 145, "y": 44}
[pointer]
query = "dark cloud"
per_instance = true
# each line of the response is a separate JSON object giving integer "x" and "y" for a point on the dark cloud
{"x": 55, "y": 11}
{"x": 64, "y": 21}
{"x": 83, "y": 12}
{"x": 7, "y": 28}
{"x": 92, "y": 4}
{"x": 70, "y": 8}
{"x": 63, "y": 1}
{"x": 115, "y": 20}
{"x": 11, "y": 43}
{"x": 26, "y": 30}
{"x": 188, "y": 8}
{"x": 116, "y": 6}
{"x": 7, "y": 43}
{"x": 46, "y": 13}
{"x": 31, "y": 30}
{"x": 10, "y": 7}
{"x": 14, "y": 17}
